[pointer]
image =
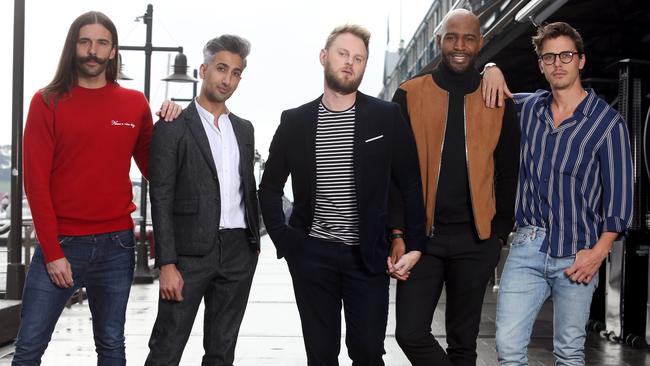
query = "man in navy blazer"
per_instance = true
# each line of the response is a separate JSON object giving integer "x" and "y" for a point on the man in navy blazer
{"x": 341, "y": 151}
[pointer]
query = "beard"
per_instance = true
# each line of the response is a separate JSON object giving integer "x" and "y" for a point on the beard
{"x": 339, "y": 84}
{"x": 447, "y": 60}
{"x": 102, "y": 64}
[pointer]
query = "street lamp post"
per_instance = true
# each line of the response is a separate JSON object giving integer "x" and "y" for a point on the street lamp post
{"x": 15, "y": 267}
{"x": 142, "y": 272}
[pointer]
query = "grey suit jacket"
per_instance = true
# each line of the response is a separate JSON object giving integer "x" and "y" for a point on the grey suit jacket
{"x": 185, "y": 197}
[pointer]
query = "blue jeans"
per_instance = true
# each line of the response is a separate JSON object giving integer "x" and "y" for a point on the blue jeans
{"x": 103, "y": 264}
{"x": 529, "y": 278}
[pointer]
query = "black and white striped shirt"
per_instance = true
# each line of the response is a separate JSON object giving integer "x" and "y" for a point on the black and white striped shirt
{"x": 336, "y": 216}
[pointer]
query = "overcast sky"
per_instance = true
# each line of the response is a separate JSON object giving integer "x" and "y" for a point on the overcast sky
{"x": 283, "y": 69}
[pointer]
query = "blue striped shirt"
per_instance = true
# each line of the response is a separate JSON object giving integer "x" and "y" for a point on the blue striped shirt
{"x": 574, "y": 180}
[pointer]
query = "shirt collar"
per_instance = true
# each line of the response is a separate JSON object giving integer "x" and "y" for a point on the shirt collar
{"x": 585, "y": 108}
{"x": 207, "y": 115}
{"x": 588, "y": 105}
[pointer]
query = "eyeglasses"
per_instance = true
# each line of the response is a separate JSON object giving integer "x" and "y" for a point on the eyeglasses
{"x": 565, "y": 57}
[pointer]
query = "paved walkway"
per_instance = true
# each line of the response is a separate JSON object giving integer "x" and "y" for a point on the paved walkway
{"x": 271, "y": 336}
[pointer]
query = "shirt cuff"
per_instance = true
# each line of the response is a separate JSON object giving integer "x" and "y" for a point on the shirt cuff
{"x": 414, "y": 243}
{"x": 161, "y": 262}
{"x": 614, "y": 224}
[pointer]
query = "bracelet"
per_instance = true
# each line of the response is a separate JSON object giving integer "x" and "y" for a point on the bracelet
{"x": 394, "y": 236}
{"x": 487, "y": 66}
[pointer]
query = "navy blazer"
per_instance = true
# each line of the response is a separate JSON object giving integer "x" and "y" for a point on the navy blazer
{"x": 185, "y": 192}
{"x": 384, "y": 147}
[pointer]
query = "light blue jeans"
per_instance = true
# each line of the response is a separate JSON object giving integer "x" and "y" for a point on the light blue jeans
{"x": 529, "y": 278}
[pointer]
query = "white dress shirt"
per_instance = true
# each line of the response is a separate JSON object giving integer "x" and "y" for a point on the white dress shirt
{"x": 225, "y": 152}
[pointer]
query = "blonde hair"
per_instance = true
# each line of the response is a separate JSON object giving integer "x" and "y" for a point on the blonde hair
{"x": 353, "y": 29}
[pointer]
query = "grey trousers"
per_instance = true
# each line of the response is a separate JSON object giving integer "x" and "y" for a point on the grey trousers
{"x": 223, "y": 279}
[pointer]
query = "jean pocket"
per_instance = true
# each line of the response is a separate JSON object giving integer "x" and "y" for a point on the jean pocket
{"x": 519, "y": 239}
{"x": 126, "y": 241}
{"x": 64, "y": 239}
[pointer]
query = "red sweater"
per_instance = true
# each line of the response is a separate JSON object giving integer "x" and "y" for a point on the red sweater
{"x": 77, "y": 157}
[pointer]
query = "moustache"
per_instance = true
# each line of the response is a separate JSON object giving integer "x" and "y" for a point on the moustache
{"x": 83, "y": 60}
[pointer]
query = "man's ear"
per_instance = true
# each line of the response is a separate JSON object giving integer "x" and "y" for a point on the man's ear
{"x": 323, "y": 56}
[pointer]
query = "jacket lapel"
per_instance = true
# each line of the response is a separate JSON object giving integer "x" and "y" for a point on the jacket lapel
{"x": 196, "y": 128}
{"x": 360, "y": 126}
{"x": 243, "y": 140}
{"x": 310, "y": 138}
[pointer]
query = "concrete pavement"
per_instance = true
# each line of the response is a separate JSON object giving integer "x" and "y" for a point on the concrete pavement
{"x": 270, "y": 334}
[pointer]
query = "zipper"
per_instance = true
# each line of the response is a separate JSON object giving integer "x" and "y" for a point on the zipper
{"x": 442, "y": 146}
{"x": 469, "y": 178}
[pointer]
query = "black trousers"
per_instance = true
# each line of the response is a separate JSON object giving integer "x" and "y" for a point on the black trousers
{"x": 325, "y": 276}
{"x": 223, "y": 280}
{"x": 463, "y": 264}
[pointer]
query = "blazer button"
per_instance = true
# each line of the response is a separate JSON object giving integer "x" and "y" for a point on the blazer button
{"x": 215, "y": 177}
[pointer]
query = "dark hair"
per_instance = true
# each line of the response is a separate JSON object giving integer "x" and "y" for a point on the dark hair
{"x": 555, "y": 30}
{"x": 66, "y": 73}
{"x": 226, "y": 42}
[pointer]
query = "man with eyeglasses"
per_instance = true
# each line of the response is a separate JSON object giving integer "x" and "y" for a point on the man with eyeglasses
{"x": 574, "y": 199}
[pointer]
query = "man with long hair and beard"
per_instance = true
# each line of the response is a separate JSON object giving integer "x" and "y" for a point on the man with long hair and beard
{"x": 81, "y": 132}
{"x": 341, "y": 151}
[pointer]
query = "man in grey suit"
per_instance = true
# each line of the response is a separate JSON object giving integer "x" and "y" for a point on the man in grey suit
{"x": 204, "y": 209}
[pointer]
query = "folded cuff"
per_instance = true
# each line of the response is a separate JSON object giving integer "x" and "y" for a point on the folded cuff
{"x": 614, "y": 224}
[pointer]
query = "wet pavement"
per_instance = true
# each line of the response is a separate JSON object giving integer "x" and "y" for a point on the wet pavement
{"x": 270, "y": 334}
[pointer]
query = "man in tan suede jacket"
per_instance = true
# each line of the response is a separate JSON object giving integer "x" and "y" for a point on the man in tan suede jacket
{"x": 468, "y": 155}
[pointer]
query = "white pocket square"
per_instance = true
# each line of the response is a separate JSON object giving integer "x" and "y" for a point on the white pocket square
{"x": 375, "y": 138}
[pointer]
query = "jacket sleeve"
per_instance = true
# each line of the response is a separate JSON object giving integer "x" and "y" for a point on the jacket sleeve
{"x": 39, "y": 147}
{"x": 405, "y": 173}
{"x": 276, "y": 171}
{"x": 395, "y": 204}
{"x": 254, "y": 216}
{"x": 506, "y": 164}
{"x": 162, "y": 174}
